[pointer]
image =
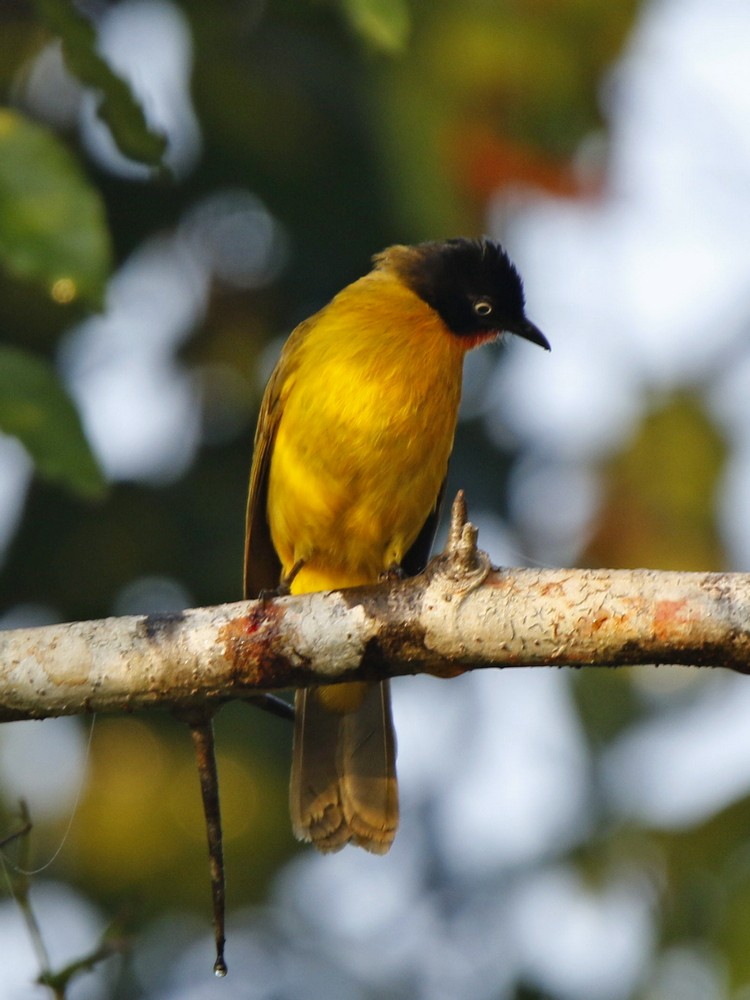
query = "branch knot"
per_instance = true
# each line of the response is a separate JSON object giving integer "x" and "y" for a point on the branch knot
{"x": 463, "y": 565}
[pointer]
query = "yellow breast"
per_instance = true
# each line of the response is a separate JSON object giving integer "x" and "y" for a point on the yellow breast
{"x": 367, "y": 428}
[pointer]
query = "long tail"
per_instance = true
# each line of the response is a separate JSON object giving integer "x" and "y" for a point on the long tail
{"x": 343, "y": 787}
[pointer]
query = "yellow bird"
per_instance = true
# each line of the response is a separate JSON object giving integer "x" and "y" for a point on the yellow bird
{"x": 351, "y": 453}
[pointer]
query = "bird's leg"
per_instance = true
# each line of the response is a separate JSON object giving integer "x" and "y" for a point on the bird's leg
{"x": 284, "y": 587}
{"x": 392, "y": 574}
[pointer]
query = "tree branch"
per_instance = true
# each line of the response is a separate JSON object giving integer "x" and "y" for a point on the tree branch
{"x": 460, "y": 614}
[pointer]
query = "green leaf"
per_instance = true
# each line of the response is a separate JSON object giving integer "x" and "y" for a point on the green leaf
{"x": 383, "y": 24}
{"x": 53, "y": 229}
{"x": 35, "y": 408}
{"x": 118, "y": 108}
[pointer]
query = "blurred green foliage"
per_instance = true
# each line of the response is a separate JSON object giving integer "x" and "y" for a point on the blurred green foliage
{"x": 383, "y": 24}
{"x": 660, "y": 507}
{"x": 53, "y": 229}
{"x": 116, "y": 104}
{"x": 35, "y": 409}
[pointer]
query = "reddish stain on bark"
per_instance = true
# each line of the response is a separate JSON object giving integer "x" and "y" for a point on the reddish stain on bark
{"x": 251, "y": 644}
{"x": 554, "y": 589}
{"x": 666, "y": 615}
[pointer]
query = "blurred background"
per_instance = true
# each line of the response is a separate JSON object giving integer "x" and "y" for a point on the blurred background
{"x": 180, "y": 184}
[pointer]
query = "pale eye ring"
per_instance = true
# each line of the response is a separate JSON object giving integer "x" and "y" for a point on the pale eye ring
{"x": 482, "y": 307}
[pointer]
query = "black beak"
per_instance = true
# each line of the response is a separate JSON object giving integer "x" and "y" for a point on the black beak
{"x": 526, "y": 329}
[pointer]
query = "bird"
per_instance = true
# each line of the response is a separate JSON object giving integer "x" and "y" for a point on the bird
{"x": 351, "y": 451}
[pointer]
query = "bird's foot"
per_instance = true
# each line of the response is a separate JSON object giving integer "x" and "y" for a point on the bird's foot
{"x": 393, "y": 574}
{"x": 284, "y": 588}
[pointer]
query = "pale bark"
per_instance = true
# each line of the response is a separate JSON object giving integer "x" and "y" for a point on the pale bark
{"x": 461, "y": 614}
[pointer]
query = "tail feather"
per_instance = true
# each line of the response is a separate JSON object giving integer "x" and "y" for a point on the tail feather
{"x": 368, "y": 787}
{"x": 314, "y": 800}
{"x": 343, "y": 788}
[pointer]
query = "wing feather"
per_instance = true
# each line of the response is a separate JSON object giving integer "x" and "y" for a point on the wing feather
{"x": 263, "y": 570}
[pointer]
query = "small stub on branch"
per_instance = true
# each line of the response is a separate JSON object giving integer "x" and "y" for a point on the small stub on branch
{"x": 459, "y": 520}
{"x": 463, "y": 561}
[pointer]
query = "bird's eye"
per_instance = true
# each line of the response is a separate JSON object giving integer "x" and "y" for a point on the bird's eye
{"x": 482, "y": 307}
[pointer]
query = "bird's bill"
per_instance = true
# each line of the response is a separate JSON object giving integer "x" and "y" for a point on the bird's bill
{"x": 528, "y": 331}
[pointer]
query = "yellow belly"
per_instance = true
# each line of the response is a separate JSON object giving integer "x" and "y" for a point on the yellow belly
{"x": 363, "y": 443}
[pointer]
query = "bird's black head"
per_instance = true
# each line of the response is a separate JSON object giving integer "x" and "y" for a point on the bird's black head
{"x": 471, "y": 284}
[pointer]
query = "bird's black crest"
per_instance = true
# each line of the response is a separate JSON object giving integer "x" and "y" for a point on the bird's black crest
{"x": 452, "y": 275}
